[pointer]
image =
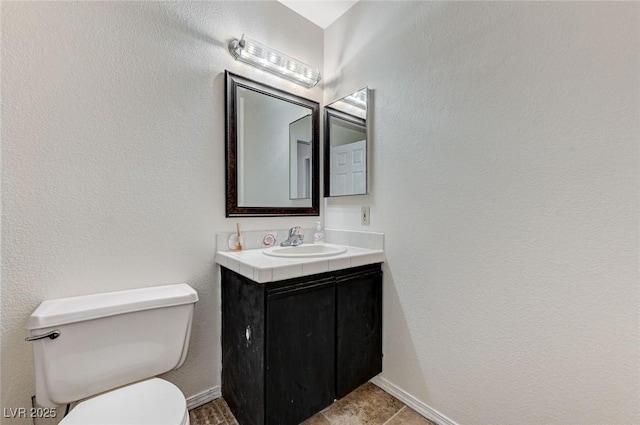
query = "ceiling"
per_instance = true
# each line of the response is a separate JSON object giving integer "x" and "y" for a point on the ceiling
{"x": 321, "y": 13}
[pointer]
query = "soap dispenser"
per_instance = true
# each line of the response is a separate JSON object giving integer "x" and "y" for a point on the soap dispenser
{"x": 318, "y": 237}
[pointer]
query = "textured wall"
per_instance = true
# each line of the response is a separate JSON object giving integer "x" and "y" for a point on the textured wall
{"x": 505, "y": 177}
{"x": 113, "y": 156}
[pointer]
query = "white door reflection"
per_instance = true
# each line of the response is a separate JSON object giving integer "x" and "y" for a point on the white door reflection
{"x": 300, "y": 158}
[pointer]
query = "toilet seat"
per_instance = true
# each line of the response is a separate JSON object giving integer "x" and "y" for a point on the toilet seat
{"x": 150, "y": 402}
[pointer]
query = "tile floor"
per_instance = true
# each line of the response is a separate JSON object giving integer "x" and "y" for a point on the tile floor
{"x": 367, "y": 405}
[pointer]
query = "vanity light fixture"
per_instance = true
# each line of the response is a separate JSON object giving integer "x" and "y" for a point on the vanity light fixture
{"x": 357, "y": 99}
{"x": 268, "y": 59}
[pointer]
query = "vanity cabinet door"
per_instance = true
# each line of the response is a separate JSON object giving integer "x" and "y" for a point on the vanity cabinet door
{"x": 300, "y": 346}
{"x": 243, "y": 347}
{"x": 359, "y": 328}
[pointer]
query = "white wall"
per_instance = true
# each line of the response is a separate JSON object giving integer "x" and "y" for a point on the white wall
{"x": 113, "y": 157}
{"x": 505, "y": 176}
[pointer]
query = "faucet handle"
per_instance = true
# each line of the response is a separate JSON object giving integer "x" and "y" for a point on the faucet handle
{"x": 295, "y": 231}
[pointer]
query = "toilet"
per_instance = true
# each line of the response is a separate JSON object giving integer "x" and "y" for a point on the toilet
{"x": 102, "y": 353}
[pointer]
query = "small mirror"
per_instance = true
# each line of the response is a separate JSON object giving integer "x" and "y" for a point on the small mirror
{"x": 272, "y": 151}
{"x": 345, "y": 145}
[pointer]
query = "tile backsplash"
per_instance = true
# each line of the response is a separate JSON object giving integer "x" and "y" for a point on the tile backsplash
{"x": 254, "y": 239}
{"x": 360, "y": 239}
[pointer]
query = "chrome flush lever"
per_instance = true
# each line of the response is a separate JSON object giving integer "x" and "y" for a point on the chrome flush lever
{"x": 50, "y": 335}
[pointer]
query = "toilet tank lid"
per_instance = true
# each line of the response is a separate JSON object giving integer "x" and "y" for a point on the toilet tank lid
{"x": 86, "y": 307}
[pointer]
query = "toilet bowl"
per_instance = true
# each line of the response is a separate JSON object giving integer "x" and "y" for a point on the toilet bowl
{"x": 103, "y": 353}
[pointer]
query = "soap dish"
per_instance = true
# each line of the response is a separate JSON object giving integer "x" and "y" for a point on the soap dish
{"x": 269, "y": 239}
{"x": 236, "y": 243}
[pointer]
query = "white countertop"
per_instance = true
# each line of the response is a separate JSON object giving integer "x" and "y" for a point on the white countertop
{"x": 252, "y": 263}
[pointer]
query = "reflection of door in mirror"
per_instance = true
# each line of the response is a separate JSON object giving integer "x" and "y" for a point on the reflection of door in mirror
{"x": 300, "y": 158}
{"x": 347, "y": 169}
{"x": 347, "y": 155}
{"x": 264, "y": 149}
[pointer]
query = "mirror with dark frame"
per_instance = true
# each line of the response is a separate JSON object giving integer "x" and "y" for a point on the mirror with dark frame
{"x": 272, "y": 151}
{"x": 346, "y": 147}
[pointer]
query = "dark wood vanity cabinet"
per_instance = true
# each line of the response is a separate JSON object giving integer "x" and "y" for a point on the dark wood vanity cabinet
{"x": 358, "y": 329}
{"x": 291, "y": 347}
{"x": 300, "y": 351}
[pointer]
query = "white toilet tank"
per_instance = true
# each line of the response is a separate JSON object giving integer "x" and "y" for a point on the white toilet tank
{"x": 109, "y": 340}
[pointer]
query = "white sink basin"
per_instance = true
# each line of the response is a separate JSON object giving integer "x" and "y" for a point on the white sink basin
{"x": 305, "y": 251}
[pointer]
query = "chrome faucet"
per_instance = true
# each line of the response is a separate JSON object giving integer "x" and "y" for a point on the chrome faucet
{"x": 295, "y": 238}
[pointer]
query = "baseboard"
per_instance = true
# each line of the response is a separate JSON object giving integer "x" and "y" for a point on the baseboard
{"x": 412, "y": 402}
{"x": 203, "y": 397}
